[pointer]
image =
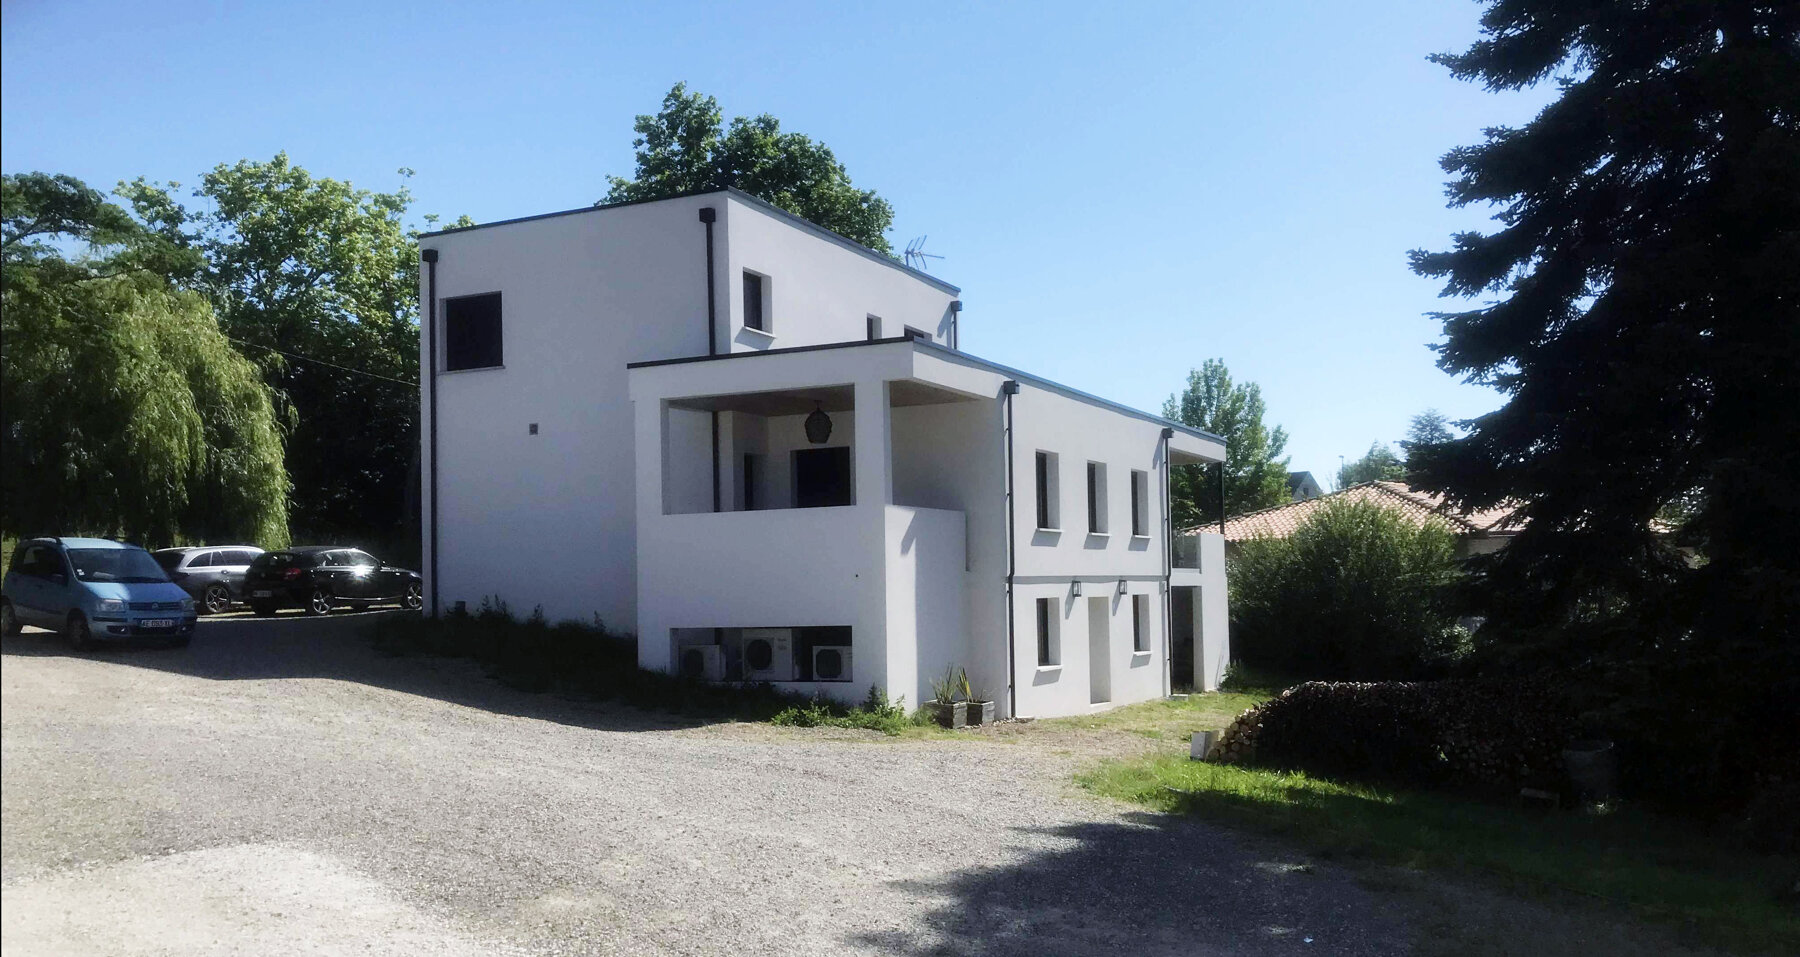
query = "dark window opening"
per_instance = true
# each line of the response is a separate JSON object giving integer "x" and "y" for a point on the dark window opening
{"x": 912, "y": 333}
{"x": 822, "y": 477}
{"x": 1093, "y": 495}
{"x": 753, "y": 302}
{"x": 472, "y": 332}
{"x": 1140, "y": 610}
{"x": 874, "y": 328}
{"x": 1140, "y": 516}
{"x": 1043, "y": 490}
{"x": 1045, "y": 654}
{"x": 749, "y": 483}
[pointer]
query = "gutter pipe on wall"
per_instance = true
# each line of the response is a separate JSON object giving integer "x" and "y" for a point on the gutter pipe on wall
{"x": 1009, "y": 389}
{"x": 709, "y": 215}
{"x": 955, "y": 323}
{"x": 1221, "y": 498}
{"x": 1168, "y": 593}
{"x": 431, "y": 260}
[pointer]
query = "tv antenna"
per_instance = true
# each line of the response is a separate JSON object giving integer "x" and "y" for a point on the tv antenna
{"x": 916, "y": 255}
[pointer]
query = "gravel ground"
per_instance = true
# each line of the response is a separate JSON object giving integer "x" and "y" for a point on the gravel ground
{"x": 279, "y": 787}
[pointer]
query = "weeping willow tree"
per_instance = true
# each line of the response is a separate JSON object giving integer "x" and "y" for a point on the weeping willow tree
{"x": 125, "y": 410}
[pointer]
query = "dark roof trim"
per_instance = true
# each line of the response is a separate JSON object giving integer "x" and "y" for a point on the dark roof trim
{"x": 1070, "y": 392}
{"x": 684, "y": 360}
{"x": 950, "y": 354}
{"x": 748, "y": 200}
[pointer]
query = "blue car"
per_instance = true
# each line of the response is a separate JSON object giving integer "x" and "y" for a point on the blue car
{"x": 93, "y": 590}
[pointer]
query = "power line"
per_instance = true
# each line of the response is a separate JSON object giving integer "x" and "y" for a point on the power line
{"x": 290, "y": 355}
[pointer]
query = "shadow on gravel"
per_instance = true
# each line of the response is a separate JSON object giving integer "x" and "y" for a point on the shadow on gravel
{"x": 238, "y": 648}
{"x": 1150, "y": 884}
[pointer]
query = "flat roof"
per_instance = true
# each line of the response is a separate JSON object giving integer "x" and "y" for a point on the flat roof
{"x": 743, "y": 197}
{"x": 1007, "y": 371}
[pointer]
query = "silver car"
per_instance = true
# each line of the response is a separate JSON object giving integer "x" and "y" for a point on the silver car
{"x": 213, "y": 574}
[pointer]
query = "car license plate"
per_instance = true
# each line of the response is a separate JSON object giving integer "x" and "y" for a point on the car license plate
{"x": 262, "y": 593}
{"x": 157, "y": 623}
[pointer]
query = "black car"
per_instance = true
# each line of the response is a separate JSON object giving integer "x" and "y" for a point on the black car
{"x": 319, "y": 578}
{"x": 213, "y": 574}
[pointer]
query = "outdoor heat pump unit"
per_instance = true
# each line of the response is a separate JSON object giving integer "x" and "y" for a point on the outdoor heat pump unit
{"x": 768, "y": 654}
{"x": 702, "y": 662}
{"x": 831, "y": 663}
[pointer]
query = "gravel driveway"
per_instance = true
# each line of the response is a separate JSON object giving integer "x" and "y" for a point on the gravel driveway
{"x": 278, "y": 787}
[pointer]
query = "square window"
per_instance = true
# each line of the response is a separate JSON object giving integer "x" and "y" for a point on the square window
{"x": 1140, "y": 502}
{"x": 472, "y": 337}
{"x": 1096, "y": 498}
{"x": 1048, "y": 633}
{"x": 1048, "y": 514}
{"x": 755, "y": 302}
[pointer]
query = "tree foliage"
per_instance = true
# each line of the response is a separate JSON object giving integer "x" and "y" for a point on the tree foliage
{"x": 126, "y": 411}
{"x": 1379, "y": 464}
{"x": 304, "y": 266}
{"x": 1357, "y": 592}
{"x": 1255, "y": 470}
{"x": 685, "y": 148}
{"x": 1644, "y": 327}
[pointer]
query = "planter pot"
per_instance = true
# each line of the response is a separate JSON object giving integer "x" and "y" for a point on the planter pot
{"x": 953, "y": 714}
{"x": 980, "y": 712}
{"x": 1593, "y": 769}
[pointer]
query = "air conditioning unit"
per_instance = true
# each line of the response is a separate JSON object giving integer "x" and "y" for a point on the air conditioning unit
{"x": 768, "y": 654}
{"x": 831, "y": 663}
{"x": 702, "y": 662}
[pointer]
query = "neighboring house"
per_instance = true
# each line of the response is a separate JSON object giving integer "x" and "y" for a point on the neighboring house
{"x": 1302, "y": 487}
{"x": 1477, "y": 533}
{"x": 756, "y": 443}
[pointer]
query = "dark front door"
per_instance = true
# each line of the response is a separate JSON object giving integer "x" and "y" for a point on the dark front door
{"x": 822, "y": 477}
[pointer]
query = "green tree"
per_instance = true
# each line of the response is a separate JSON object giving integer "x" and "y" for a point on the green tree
{"x": 1255, "y": 470}
{"x": 318, "y": 283}
{"x": 126, "y": 411}
{"x": 1428, "y": 428}
{"x": 1379, "y": 464}
{"x": 1358, "y": 592}
{"x": 1641, "y": 321}
{"x": 685, "y": 148}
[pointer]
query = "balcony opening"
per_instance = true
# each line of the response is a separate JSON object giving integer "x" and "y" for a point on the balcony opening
{"x": 822, "y": 477}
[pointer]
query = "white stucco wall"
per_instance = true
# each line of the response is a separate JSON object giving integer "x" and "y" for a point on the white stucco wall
{"x": 820, "y": 291}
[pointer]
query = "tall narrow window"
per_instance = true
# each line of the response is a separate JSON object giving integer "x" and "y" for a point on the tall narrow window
{"x": 1046, "y": 632}
{"x": 472, "y": 332}
{"x": 1140, "y": 503}
{"x": 874, "y": 328}
{"x": 1096, "y": 498}
{"x": 1140, "y": 623}
{"x": 1047, "y": 491}
{"x": 754, "y": 316}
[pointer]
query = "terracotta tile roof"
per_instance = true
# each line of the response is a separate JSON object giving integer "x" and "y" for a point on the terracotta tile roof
{"x": 1420, "y": 507}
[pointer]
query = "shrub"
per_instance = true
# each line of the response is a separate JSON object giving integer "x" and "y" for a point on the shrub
{"x": 876, "y": 713}
{"x": 1445, "y": 735}
{"x": 1357, "y": 592}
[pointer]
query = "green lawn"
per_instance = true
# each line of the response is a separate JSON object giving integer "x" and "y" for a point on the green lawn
{"x": 1662, "y": 869}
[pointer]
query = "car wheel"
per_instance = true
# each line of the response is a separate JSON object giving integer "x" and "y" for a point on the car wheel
{"x": 319, "y": 603}
{"x": 9, "y": 623}
{"x": 217, "y": 599}
{"x": 262, "y": 610}
{"x": 415, "y": 597}
{"x": 76, "y": 631}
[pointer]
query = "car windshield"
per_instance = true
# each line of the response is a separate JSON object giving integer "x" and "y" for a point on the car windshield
{"x": 115, "y": 565}
{"x": 168, "y": 560}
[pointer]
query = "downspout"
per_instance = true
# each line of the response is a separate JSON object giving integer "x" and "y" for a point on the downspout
{"x": 1009, "y": 389}
{"x": 1168, "y": 592}
{"x": 431, "y": 260}
{"x": 955, "y": 323}
{"x": 708, "y": 215}
{"x": 1221, "y": 499}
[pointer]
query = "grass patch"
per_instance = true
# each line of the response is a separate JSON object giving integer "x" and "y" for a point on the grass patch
{"x": 1172, "y": 719}
{"x": 1663, "y": 870}
{"x": 585, "y": 660}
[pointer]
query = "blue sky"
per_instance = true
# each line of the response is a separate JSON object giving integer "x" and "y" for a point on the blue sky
{"x": 1122, "y": 193}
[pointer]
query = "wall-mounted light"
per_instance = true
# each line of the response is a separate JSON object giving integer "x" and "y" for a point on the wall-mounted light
{"x": 818, "y": 426}
{"x": 1075, "y": 588}
{"x": 1121, "y": 586}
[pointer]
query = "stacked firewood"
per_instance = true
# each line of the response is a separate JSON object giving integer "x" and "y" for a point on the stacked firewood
{"x": 1238, "y": 746}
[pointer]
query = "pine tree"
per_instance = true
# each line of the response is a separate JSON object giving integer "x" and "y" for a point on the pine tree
{"x": 1646, "y": 335}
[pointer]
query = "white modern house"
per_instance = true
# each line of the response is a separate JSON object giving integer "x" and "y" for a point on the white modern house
{"x": 757, "y": 444}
